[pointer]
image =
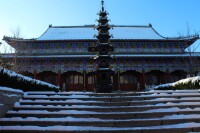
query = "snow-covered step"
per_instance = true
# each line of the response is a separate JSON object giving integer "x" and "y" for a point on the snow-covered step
{"x": 115, "y": 94}
{"x": 72, "y": 102}
{"x": 174, "y": 128}
{"x": 153, "y": 113}
{"x": 109, "y": 98}
{"x": 143, "y": 112}
{"x": 112, "y": 95}
{"x": 107, "y": 108}
{"x": 70, "y": 121}
{"x": 81, "y": 97}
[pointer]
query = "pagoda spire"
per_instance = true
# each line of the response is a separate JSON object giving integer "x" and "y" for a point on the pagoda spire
{"x": 102, "y": 3}
{"x": 103, "y": 83}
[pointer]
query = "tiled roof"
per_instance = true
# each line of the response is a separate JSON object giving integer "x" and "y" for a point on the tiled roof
{"x": 88, "y": 32}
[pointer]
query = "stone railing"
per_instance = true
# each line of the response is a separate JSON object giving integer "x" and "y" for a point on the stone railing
{"x": 8, "y": 97}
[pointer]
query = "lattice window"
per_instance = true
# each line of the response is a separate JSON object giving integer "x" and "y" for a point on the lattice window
{"x": 121, "y": 79}
{"x": 71, "y": 79}
{"x": 80, "y": 79}
{"x": 76, "y": 79}
{"x": 135, "y": 80}
{"x": 90, "y": 80}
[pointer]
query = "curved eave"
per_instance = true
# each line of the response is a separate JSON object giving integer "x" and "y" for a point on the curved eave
{"x": 188, "y": 40}
{"x": 114, "y": 56}
{"x": 191, "y": 41}
{"x": 13, "y": 41}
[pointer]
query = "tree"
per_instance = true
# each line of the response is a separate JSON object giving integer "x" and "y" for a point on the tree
{"x": 7, "y": 50}
{"x": 193, "y": 59}
{"x": 16, "y": 34}
{"x": 4, "y": 63}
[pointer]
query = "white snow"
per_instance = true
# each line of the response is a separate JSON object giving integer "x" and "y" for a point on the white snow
{"x": 181, "y": 116}
{"x": 50, "y": 119}
{"x": 175, "y": 94}
{"x": 170, "y": 109}
{"x": 19, "y": 76}
{"x": 69, "y": 118}
{"x": 66, "y": 106}
{"x": 187, "y": 80}
{"x": 88, "y": 32}
{"x": 173, "y": 91}
{"x": 168, "y": 104}
{"x": 73, "y": 96}
{"x": 191, "y": 79}
{"x": 59, "y": 101}
{"x": 53, "y": 112}
{"x": 67, "y": 115}
{"x": 91, "y": 128}
{"x": 58, "y": 93}
{"x": 10, "y": 89}
{"x": 173, "y": 109}
{"x": 164, "y": 85}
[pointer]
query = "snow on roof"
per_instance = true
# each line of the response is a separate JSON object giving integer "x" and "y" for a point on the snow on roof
{"x": 88, "y": 32}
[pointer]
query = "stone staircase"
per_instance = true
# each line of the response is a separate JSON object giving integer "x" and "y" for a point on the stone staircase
{"x": 120, "y": 112}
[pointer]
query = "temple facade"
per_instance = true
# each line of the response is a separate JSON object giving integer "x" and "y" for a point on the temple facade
{"x": 142, "y": 57}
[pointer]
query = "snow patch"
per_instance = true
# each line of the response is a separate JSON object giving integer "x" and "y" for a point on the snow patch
{"x": 91, "y": 128}
{"x": 183, "y": 81}
{"x": 20, "y": 77}
{"x": 10, "y": 89}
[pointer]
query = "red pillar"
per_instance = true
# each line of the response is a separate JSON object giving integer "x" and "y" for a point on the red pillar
{"x": 142, "y": 80}
{"x": 167, "y": 76}
{"x": 35, "y": 74}
{"x": 59, "y": 79}
{"x": 118, "y": 80}
{"x": 115, "y": 81}
{"x": 84, "y": 80}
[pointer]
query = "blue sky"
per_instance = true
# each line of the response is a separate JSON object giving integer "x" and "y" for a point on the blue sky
{"x": 168, "y": 17}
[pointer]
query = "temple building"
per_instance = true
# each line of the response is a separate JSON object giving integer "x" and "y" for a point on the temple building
{"x": 142, "y": 57}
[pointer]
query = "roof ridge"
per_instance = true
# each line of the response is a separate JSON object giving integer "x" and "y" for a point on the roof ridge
{"x": 69, "y": 26}
{"x": 92, "y": 25}
{"x": 145, "y": 26}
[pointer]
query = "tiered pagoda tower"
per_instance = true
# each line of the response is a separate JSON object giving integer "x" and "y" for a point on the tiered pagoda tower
{"x": 103, "y": 74}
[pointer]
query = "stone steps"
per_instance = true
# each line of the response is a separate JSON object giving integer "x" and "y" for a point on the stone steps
{"x": 118, "y": 93}
{"x": 178, "y": 128}
{"x": 76, "y": 112}
{"x": 106, "y": 108}
{"x": 109, "y": 98}
{"x": 88, "y": 114}
{"x": 101, "y": 103}
{"x": 68, "y": 121}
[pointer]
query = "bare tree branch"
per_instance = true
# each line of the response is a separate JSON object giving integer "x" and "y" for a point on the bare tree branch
{"x": 192, "y": 60}
{"x": 16, "y": 33}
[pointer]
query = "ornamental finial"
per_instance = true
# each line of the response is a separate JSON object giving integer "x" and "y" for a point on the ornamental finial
{"x": 102, "y": 3}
